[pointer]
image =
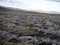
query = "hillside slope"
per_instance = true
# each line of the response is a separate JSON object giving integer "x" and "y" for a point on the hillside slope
{"x": 20, "y": 27}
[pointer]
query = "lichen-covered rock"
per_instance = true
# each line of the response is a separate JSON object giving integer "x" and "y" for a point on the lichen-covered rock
{"x": 26, "y": 39}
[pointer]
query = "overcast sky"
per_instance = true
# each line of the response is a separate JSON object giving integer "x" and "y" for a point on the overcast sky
{"x": 45, "y": 5}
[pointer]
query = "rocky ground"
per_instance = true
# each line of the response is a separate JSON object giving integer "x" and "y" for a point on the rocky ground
{"x": 29, "y": 29}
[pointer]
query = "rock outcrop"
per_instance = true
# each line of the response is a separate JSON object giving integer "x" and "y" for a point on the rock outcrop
{"x": 30, "y": 28}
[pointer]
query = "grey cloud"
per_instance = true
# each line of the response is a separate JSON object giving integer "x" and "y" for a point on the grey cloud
{"x": 54, "y": 0}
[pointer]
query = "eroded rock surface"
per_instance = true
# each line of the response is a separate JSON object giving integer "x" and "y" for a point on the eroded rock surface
{"x": 30, "y": 28}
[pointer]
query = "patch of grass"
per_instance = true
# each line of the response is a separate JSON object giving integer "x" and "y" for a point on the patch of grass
{"x": 8, "y": 43}
{"x": 20, "y": 31}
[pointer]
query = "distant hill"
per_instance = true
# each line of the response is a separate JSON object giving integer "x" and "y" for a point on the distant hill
{"x": 29, "y": 12}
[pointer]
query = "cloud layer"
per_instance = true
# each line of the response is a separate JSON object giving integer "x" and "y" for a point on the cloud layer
{"x": 32, "y": 4}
